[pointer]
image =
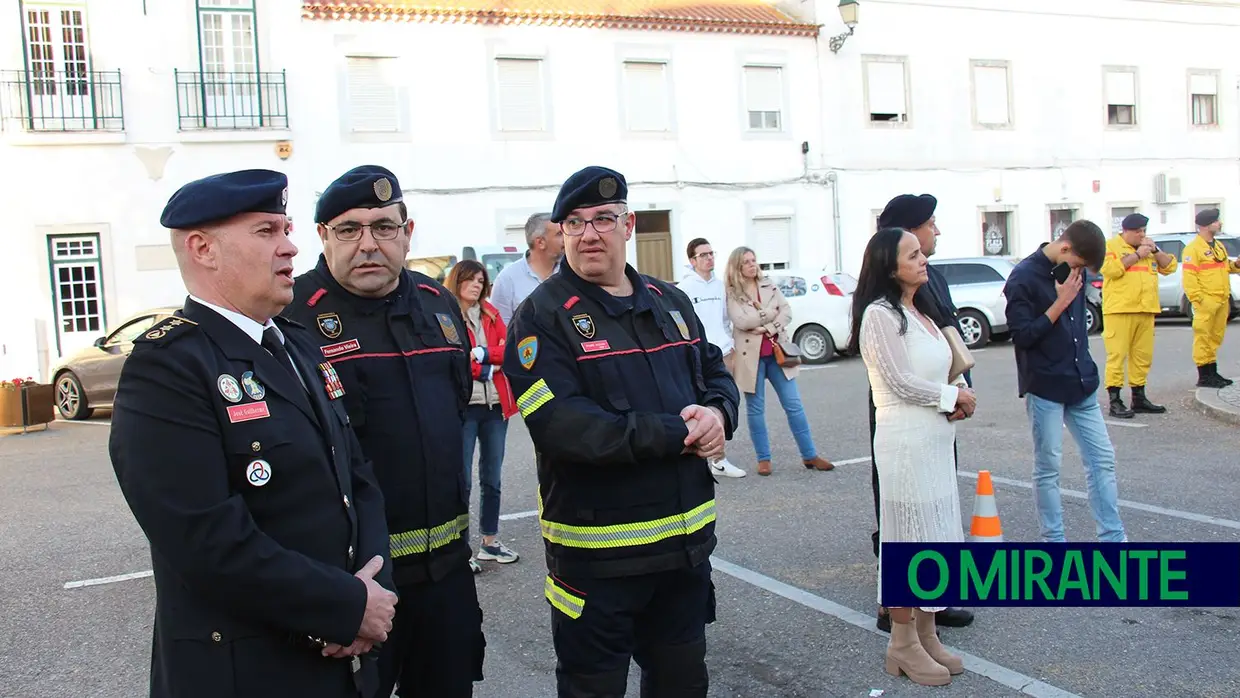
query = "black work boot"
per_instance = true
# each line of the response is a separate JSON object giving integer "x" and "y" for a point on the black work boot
{"x": 1225, "y": 381}
{"x": 1141, "y": 404}
{"x": 1117, "y": 405}
{"x": 1208, "y": 377}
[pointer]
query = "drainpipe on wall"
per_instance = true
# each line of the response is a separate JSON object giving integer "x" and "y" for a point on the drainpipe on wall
{"x": 834, "y": 180}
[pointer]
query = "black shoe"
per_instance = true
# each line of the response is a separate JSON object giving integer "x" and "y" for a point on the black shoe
{"x": 1208, "y": 377}
{"x": 954, "y": 618}
{"x": 1225, "y": 381}
{"x": 1141, "y": 404}
{"x": 884, "y": 620}
{"x": 1117, "y": 405}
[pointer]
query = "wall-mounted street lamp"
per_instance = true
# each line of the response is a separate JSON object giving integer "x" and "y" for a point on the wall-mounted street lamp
{"x": 848, "y": 13}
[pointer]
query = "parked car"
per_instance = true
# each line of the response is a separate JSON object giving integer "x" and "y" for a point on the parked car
{"x": 1171, "y": 287}
{"x": 976, "y": 285}
{"x": 821, "y": 304}
{"x": 86, "y": 379}
{"x": 1093, "y": 301}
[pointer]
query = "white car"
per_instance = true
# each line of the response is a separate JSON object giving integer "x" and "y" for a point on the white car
{"x": 821, "y": 304}
{"x": 976, "y": 285}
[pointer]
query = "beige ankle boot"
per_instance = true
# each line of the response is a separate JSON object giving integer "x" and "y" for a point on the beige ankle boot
{"x": 930, "y": 642}
{"x": 905, "y": 655}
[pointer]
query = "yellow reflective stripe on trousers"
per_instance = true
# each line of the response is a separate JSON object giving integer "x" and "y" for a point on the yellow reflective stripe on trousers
{"x": 624, "y": 535}
{"x": 569, "y": 605}
{"x": 423, "y": 540}
{"x": 537, "y": 396}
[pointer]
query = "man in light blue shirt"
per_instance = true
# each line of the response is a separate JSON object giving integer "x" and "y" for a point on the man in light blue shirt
{"x": 542, "y": 259}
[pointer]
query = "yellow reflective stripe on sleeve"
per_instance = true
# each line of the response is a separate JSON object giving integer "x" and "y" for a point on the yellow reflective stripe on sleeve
{"x": 568, "y": 604}
{"x": 423, "y": 540}
{"x": 624, "y": 535}
{"x": 537, "y": 396}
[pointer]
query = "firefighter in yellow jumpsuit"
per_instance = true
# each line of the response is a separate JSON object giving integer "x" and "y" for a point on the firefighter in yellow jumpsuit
{"x": 1129, "y": 304}
{"x": 1208, "y": 288}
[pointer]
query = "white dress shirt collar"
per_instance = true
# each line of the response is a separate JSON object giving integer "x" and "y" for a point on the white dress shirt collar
{"x": 247, "y": 325}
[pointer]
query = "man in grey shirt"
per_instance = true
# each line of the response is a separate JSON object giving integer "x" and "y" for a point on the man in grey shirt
{"x": 542, "y": 259}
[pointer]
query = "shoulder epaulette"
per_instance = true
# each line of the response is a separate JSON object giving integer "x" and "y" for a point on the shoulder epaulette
{"x": 314, "y": 298}
{"x": 428, "y": 288}
{"x": 168, "y": 330}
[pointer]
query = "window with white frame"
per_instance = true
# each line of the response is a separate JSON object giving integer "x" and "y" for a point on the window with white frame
{"x": 1118, "y": 214}
{"x": 646, "y": 96}
{"x": 1061, "y": 218}
{"x": 57, "y": 55}
{"x": 514, "y": 235}
{"x": 764, "y": 97}
{"x": 1121, "y": 96}
{"x": 772, "y": 241}
{"x": 1203, "y": 98}
{"x": 886, "y": 89}
{"x": 373, "y": 95}
{"x": 519, "y": 88}
{"x": 996, "y": 233}
{"x": 991, "y": 93}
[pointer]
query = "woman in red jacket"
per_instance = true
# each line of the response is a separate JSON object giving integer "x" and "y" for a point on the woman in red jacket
{"x": 492, "y": 403}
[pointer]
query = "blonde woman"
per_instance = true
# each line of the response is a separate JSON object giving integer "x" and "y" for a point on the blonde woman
{"x": 760, "y": 315}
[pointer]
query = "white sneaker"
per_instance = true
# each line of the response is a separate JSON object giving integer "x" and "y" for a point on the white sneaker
{"x": 726, "y": 469}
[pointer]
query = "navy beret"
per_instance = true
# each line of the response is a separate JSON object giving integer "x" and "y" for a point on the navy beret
{"x": 592, "y": 186}
{"x": 907, "y": 211}
{"x": 222, "y": 196}
{"x": 1134, "y": 221}
{"x": 368, "y": 186}
{"x": 1207, "y": 216}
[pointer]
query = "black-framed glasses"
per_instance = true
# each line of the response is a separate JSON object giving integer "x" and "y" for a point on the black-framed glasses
{"x": 603, "y": 223}
{"x": 352, "y": 232}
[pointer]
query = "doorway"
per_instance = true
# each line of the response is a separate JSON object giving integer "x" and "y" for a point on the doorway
{"x": 77, "y": 290}
{"x": 654, "y": 245}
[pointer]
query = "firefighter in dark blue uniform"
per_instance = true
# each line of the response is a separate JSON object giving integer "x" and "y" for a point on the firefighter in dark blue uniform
{"x": 624, "y": 398}
{"x": 398, "y": 341}
{"x": 233, "y": 450}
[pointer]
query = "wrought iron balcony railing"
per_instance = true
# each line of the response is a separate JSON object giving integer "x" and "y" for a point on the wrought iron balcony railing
{"x": 35, "y": 100}
{"x": 221, "y": 100}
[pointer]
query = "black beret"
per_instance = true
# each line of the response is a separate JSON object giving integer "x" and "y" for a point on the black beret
{"x": 1207, "y": 216}
{"x": 592, "y": 186}
{"x": 907, "y": 211}
{"x": 222, "y": 196}
{"x": 1134, "y": 221}
{"x": 368, "y": 186}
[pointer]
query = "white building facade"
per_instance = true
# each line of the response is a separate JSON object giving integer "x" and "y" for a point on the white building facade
{"x": 732, "y": 120}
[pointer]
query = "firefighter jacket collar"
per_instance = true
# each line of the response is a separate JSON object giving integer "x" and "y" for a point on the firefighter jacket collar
{"x": 368, "y": 306}
{"x": 610, "y": 304}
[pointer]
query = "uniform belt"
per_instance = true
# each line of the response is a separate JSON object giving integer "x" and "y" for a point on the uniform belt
{"x": 691, "y": 556}
{"x": 629, "y": 534}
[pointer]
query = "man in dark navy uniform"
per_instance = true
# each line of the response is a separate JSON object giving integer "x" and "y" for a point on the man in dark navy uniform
{"x": 398, "y": 341}
{"x": 624, "y": 400}
{"x": 233, "y": 450}
{"x": 915, "y": 213}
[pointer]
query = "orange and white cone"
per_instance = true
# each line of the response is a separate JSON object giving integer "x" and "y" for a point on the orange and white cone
{"x": 986, "y": 527}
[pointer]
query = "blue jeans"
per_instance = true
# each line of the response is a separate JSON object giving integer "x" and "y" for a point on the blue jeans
{"x": 1084, "y": 420}
{"x": 789, "y": 399}
{"x": 489, "y": 428}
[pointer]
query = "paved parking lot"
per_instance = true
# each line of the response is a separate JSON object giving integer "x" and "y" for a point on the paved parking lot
{"x": 794, "y": 569}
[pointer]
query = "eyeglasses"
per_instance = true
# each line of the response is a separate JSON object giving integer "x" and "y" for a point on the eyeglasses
{"x": 352, "y": 232}
{"x": 603, "y": 223}
{"x": 705, "y": 255}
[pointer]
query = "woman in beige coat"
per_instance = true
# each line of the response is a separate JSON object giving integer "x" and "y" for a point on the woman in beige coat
{"x": 759, "y": 312}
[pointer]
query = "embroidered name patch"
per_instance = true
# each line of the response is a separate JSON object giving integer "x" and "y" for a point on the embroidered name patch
{"x": 248, "y": 412}
{"x": 597, "y": 345}
{"x": 333, "y": 350}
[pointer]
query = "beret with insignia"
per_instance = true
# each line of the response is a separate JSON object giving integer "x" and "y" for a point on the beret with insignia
{"x": 367, "y": 186}
{"x": 907, "y": 211}
{"x": 1134, "y": 221}
{"x": 592, "y": 186}
{"x": 1207, "y": 216}
{"x": 223, "y": 196}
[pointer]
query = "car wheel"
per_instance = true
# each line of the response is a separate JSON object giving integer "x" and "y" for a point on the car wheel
{"x": 975, "y": 330}
{"x": 1093, "y": 319}
{"x": 817, "y": 346}
{"x": 70, "y": 398}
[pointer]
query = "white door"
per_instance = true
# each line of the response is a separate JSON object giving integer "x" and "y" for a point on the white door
{"x": 229, "y": 67}
{"x": 60, "y": 89}
{"x": 77, "y": 291}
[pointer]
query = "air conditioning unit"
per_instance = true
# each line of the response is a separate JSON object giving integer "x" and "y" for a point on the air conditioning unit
{"x": 1166, "y": 188}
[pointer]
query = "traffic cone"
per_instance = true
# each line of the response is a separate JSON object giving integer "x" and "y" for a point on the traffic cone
{"x": 986, "y": 527}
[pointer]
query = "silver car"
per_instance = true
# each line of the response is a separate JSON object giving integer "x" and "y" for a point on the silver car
{"x": 976, "y": 285}
{"x": 1171, "y": 287}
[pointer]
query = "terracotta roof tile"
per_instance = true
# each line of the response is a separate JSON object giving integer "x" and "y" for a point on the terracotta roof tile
{"x": 726, "y": 16}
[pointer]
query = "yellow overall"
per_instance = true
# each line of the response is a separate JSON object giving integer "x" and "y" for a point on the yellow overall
{"x": 1129, "y": 305}
{"x": 1208, "y": 288}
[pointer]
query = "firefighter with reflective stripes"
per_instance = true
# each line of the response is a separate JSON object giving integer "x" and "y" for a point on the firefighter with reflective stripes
{"x": 398, "y": 342}
{"x": 1208, "y": 287}
{"x": 1129, "y": 304}
{"x": 624, "y": 400}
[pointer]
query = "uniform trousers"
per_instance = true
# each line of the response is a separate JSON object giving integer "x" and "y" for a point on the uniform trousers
{"x": 1209, "y": 324}
{"x": 658, "y": 620}
{"x": 1129, "y": 340}
{"x": 436, "y": 646}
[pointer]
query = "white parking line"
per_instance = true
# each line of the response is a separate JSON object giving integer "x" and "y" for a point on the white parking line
{"x": 1116, "y": 423}
{"x": 999, "y": 674}
{"x": 108, "y": 580}
{"x": 518, "y": 515}
{"x": 93, "y": 422}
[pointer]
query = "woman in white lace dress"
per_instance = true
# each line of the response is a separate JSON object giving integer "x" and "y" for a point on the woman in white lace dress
{"x": 908, "y": 361}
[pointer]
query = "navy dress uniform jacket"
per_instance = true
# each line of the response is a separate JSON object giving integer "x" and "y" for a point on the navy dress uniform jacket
{"x": 402, "y": 359}
{"x": 258, "y": 506}
{"x": 601, "y": 387}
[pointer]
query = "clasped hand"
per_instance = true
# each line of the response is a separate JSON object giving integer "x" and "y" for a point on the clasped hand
{"x": 376, "y": 621}
{"x": 706, "y": 434}
{"x": 966, "y": 404}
